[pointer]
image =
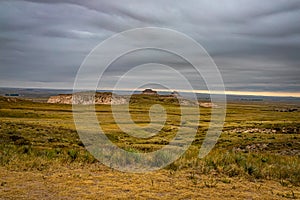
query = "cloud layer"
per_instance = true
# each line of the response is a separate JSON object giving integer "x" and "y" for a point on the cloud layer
{"x": 256, "y": 44}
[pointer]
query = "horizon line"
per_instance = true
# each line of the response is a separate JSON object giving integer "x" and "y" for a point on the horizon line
{"x": 226, "y": 92}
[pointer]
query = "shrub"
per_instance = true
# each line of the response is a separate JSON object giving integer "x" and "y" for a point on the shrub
{"x": 73, "y": 154}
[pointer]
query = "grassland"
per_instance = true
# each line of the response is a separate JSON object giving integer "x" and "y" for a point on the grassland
{"x": 256, "y": 157}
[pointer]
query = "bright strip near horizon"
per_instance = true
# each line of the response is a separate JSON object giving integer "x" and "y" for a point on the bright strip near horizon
{"x": 228, "y": 92}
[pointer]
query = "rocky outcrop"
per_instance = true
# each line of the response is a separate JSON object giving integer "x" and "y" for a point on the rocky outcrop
{"x": 88, "y": 98}
{"x": 149, "y": 92}
{"x": 61, "y": 99}
{"x": 208, "y": 105}
{"x": 108, "y": 98}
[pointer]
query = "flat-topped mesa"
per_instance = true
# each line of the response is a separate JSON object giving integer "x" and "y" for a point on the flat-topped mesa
{"x": 149, "y": 92}
{"x": 87, "y": 98}
{"x": 153, "y": 92}
{"x": 108, "y": 98}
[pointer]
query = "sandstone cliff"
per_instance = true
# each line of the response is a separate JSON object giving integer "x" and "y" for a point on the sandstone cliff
{"x": 88, "y": 98}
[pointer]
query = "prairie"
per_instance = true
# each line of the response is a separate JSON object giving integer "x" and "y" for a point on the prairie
{"x": 256, "y": 157}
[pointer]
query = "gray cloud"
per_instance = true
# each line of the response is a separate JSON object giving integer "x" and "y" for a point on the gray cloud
{"x": 256, "y": 44}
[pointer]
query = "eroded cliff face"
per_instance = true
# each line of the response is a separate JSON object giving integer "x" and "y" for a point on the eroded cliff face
{"x": 61, "y": 99}
{"x": 88, "y": 98}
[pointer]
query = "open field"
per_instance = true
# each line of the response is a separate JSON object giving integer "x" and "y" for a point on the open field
{"x": 256, "y": 157}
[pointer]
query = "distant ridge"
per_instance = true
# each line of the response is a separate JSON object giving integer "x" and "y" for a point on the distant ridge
{"x": 46, "y": 93}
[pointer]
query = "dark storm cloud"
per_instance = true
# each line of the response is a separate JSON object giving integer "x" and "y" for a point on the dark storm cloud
{"x": 256, "y": 44}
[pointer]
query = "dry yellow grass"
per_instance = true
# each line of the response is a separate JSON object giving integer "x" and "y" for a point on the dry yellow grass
{"x": 41, "y": 156}
{"x": 99, "y": 182}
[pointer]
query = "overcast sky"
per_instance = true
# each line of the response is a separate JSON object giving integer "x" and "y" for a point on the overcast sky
{"x": 255, "y": 44}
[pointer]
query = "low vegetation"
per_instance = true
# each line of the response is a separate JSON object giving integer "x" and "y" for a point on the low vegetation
{"x": 258, "y": 144}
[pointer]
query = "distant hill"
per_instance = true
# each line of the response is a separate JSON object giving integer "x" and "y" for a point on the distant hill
{"x": 36, "y": 93}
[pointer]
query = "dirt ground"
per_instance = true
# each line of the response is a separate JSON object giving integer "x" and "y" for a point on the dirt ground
{"x": 100, "y": 182}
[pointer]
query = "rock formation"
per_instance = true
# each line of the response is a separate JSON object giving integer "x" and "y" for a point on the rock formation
{"x": 208, "y": 105}
{"x": 108, "y": 98}
{"x": 149, "y": 92}
{"x": 86, "y": 98}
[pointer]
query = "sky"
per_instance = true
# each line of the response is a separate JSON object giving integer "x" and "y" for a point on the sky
{"x": 255, "y": 44}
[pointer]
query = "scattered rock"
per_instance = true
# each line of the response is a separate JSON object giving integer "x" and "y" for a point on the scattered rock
{"x": 251, "y": 148}
{"x": 285, "y": 130}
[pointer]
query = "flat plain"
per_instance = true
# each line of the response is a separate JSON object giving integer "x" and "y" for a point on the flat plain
{"x": 256, "y": 157}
